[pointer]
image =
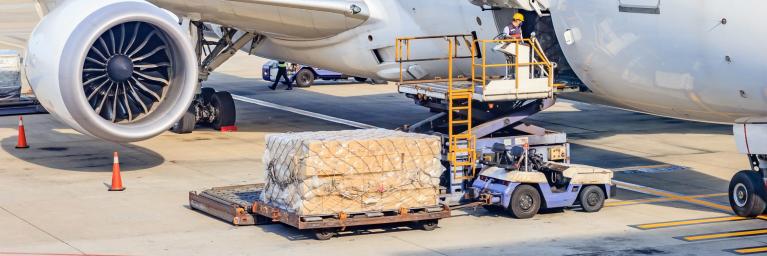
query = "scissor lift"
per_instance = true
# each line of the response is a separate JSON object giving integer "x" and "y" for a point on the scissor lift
{"x": 471, "y": 106}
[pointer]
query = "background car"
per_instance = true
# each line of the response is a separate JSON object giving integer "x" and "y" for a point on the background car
{"x": 304, "y": 76}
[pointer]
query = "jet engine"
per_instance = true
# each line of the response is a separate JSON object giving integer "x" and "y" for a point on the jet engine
{"x": 119, "y": 70}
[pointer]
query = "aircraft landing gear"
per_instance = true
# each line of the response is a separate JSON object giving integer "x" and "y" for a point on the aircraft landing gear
{"x": 212, "y": 108}
{"x": 747, "y": 192}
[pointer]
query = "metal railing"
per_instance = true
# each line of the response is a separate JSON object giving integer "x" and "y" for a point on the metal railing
{"x": 479, "y": 56}
{"x": 544, "y": 66}
{"x": 404, "y": 55}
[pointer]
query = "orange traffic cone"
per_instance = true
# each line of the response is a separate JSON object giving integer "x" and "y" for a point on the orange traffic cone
{"x": 117, "y": 181}
{"x": 22, "y": 135}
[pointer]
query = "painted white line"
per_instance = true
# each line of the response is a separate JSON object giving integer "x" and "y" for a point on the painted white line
{"x": 304, "y": 112}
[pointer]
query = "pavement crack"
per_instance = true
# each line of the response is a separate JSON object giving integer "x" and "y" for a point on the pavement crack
{"x": 44, "y": 231}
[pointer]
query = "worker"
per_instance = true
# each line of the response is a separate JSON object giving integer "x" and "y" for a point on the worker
{"x": 282, "y": 72}
{"x": 514, "y": 30}
{"x": 511, "y": 32}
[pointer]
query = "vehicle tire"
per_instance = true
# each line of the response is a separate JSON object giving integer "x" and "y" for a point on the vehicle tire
{"x": 226, "y": 114}
{"x": 525, "y": 202}
{"x": 360, "y": 79}
{"x": 324, "y": 234}
{"x": 305, "y": 78}
{"x": 206, "y": 94}
{"x": 186, "y": 124}
{"x": 428, "y": 225}
{"x": 746, "y": 194}
{"x": 592, "y": 198}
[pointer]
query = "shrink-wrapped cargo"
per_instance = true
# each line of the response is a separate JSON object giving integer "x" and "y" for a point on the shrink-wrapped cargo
{"x": 318, "y": 173}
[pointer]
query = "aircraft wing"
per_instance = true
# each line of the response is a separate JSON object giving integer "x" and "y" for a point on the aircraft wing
{"x": 284, "y": 19}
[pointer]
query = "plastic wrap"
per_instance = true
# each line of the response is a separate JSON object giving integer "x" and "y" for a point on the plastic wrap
{"x": 317, "y": 173}
{"x": 10, "y": 77}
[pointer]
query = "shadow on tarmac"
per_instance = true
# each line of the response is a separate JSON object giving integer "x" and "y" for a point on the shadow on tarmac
{"x": 83, "y": 154}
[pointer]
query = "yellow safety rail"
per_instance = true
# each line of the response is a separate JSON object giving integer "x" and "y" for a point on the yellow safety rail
{"x": 462, "y": 147}
{"x": 544, "y": 64}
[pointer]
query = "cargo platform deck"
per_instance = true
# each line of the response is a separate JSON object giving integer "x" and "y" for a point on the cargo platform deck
{"x": 242, "y": 206}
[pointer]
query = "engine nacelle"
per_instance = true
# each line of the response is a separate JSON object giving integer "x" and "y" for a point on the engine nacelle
{"x": 119, "y": 70}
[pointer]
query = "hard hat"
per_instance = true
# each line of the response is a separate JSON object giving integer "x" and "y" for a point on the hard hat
{"x": 519, "y": 16}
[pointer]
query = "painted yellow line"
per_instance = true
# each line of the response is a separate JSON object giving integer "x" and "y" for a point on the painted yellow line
{"x": 688, "y": 222}
{"x": 753, "y": 232}
{"x": 694, "y": 222}
{"x": 660, "y": 200}
{"x": 750, "y": 250}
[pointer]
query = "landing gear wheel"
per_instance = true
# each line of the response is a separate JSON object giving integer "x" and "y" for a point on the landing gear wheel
{"x": 428, "y": 225}
{"x": 592, "y": 199}
{"x": 324, "y": 234}
{"x": 206, "y": 94}
{"x": 747, "y": 193}
{"x": 305, "y": 78}
{"x": 186, "y": 124}
{"x": 360, "y": 79}
{"x": 525, "y": 202}
{"x": 226, "y": 115}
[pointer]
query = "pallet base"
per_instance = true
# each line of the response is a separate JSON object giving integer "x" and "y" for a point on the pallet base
{"x": 241, "y": 206}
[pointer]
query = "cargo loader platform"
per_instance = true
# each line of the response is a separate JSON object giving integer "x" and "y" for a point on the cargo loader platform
{"x": 241, "y": 206}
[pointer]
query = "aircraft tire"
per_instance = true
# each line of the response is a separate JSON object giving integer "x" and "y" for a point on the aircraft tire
{"x": 186, "y": 124}
{"x": 226, "y": 114}
{"x": 747, "y": 193}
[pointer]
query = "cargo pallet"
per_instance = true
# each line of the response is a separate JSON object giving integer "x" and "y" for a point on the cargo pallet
{"x": 241, "y": 206}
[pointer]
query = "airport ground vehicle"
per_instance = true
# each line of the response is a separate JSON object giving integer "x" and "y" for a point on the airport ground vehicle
{"x": 303, "y": 75}
{"x": 522, "y": 167}
{"x": 241, "y": 205}
{"x": 520, "y": 181}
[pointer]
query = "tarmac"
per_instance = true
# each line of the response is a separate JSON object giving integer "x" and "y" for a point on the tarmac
{"x": 54, "y": 198}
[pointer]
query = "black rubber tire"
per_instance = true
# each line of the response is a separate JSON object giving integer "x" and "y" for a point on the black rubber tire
{"x": 360, "y": 79}
{"x": 186, "y": 124}
{"x": 747, "y": 193}
{"x": 206, "y": 93}
{"x": 525, "y": 202}
{"x": 592, "y": 198}
{"x": 324, "y": 234}
{"x": 429, "y": 225}
{"x": 226, "y": 114}
{"x": 305, "y": 78}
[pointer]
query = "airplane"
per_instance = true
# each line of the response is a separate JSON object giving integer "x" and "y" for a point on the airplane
{"x": 126, "y": 70}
